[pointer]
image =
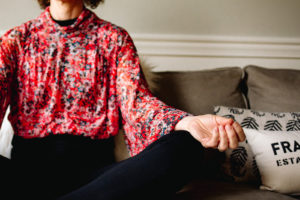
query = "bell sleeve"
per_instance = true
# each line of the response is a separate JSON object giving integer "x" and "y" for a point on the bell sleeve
{"x": 145, "y": 117}
{"x": 6, "y": 72}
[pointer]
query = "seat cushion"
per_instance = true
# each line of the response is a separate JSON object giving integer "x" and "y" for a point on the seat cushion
{"x": 221, "y": 190}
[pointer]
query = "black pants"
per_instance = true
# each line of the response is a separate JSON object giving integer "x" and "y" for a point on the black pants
{"x": 73, "y": 167}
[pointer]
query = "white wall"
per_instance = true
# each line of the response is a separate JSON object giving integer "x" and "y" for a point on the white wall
{"x": 259, "y": 18}
{"x": 278, "y": 18}
{"x": 194, "y": 34}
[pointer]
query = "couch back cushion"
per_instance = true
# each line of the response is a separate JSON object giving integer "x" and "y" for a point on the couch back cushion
{"x": 197, "y": 92}
{"x": 273, "y": 90}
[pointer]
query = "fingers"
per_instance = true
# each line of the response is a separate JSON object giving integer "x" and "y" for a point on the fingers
{"x": 232, "y": 137}
{"x": 240, "y": 132}
{"x": 222, "y": 138}
{"x": 214, "y": 140}
{"x": 223, "y": 145}
{"x": 236, "y": 126}
{"x": 223, "y": 120}
{"x": 217, "y": 132}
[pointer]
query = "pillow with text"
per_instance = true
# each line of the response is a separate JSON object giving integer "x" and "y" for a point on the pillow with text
{"x": 277, "y": 155}
{"x": 239, "y": 164}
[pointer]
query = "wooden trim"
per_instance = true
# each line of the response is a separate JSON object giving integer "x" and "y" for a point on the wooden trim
{"x": 190, "y": 52}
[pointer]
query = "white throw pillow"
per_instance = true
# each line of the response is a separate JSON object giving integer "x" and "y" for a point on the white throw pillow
{"x": 239, "y": 164}
{"x": 6, "y": 135}
{"x": 278, "y": 159}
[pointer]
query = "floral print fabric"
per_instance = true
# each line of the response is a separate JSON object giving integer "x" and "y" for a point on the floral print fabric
{"x": 81, "y": 79}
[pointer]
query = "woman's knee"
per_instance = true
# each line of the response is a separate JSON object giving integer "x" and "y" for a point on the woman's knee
{"x": 180, "y": 148}
{"x": 184, "y": 142}
{"x": 190, "y": 150}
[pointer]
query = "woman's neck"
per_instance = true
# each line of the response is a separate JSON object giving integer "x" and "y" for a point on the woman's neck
{"x": 65, "y": 9}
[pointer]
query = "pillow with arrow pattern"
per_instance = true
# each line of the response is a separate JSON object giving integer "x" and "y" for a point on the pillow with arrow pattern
{"x": 240, "y": 165}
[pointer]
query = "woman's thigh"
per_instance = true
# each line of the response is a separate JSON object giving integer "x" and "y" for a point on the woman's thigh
{"x": 6, "y": 175}
{"x": 163, "y": 167}
{"x": 50, "y": 167}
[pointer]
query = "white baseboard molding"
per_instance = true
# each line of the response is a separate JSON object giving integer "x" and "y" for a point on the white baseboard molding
{"x": 189, "y": 52}
{"x": 171, "y": 52}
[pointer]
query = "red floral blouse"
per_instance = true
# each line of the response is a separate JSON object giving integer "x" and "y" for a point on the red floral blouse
{"x": 79, "y": 79}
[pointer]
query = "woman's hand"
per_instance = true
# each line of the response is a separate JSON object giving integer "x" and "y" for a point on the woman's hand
{"x": 213, "y": 131}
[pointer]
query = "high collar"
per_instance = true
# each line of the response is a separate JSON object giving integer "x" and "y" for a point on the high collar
{"x": 85, "y": 17}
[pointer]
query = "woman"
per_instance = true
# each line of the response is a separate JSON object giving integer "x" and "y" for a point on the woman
{"x": 70, "y": 77}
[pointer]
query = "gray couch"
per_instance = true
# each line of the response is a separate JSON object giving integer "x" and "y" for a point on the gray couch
{"x": 272, "y": 90}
